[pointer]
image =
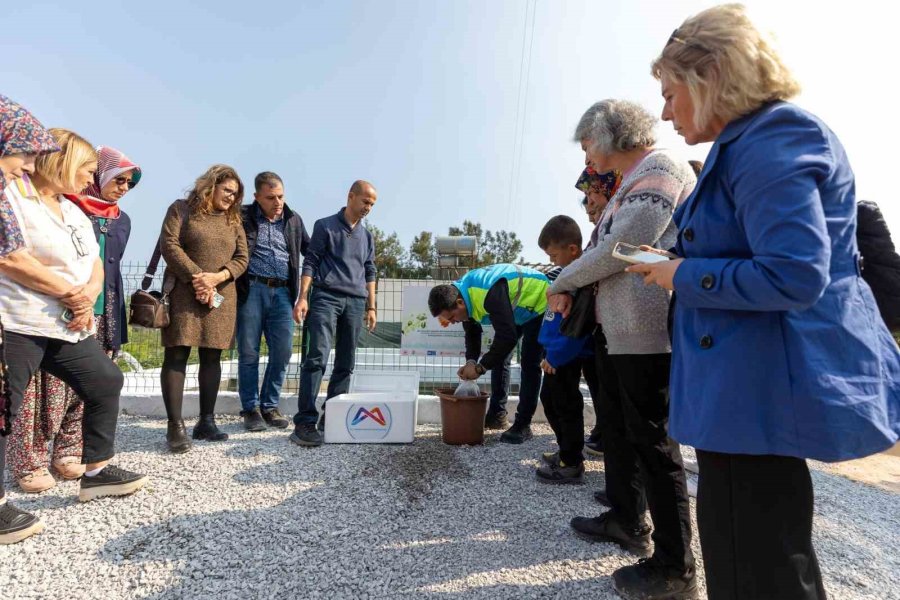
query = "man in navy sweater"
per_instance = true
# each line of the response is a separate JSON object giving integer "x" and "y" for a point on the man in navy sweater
{"x": 339, "y": 266}
{"x": 560, "y": 393}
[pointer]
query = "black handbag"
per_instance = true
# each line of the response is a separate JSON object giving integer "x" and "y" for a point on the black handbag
{"x": 150, "y": 309}
{"x": 582, "y": 320}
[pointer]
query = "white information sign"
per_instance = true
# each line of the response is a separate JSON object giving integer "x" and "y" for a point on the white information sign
{"x": 424, "y": 335}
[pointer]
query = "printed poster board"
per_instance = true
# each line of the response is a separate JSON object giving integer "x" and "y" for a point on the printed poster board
{"x": 423, "y": 335}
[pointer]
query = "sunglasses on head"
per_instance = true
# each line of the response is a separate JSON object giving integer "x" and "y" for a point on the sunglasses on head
{"x": 120, "y": 181}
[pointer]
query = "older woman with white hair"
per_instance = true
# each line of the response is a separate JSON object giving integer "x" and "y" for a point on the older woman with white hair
{"x": 779, "y": 351}
{"x": 633, "y": 352}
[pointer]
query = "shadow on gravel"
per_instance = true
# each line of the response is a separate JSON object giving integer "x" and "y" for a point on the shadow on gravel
{"x": 427, "y": 520}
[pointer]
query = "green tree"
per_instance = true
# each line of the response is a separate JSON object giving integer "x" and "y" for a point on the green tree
{"x": 390, "y": 257}
{"x": 468, "y": 228}
{"x": 422, "y": 256}
{"x": 500, "y": 247}
{"x": 493, "y": 247}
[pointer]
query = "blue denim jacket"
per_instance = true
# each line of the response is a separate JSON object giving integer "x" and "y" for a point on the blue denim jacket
{"x": 778, "y": 347}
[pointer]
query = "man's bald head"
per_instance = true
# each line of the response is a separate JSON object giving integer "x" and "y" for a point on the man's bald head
{"x": 360, "y": 200}
{"x": 359, "y": 186}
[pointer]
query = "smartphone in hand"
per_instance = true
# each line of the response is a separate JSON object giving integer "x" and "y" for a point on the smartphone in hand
{"x": 67, "y": 315}
{"x": 637, "y": 256}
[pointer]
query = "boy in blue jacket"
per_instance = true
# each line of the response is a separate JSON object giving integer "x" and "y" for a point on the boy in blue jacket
{"x": 560, "y": 394}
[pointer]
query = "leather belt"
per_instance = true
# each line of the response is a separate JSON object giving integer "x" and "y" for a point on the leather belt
{"x": 269, "y": 281}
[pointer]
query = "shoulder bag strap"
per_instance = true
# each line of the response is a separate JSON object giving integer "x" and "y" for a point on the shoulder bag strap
{"x": 181, "y": 206}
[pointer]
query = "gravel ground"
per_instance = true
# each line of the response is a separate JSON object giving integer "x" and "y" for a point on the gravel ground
{"x": 256, "y": 517}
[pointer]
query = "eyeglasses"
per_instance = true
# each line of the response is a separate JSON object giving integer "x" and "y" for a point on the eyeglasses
{"x": 78, "y": 241}
{"x": 228, "y": 193}
{"x": 120, "y": 181}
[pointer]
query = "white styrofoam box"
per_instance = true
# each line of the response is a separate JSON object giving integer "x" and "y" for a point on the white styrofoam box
{"x": 381, "y": 408}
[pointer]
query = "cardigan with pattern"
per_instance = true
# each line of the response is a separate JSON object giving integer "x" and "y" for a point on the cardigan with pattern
{"x": 633, "y": 315}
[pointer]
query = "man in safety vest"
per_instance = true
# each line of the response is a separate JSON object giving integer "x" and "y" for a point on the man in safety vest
{"x": 512, "y": 299}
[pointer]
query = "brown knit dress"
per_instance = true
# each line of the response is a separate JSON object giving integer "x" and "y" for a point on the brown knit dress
{"x": 206, "y": 244}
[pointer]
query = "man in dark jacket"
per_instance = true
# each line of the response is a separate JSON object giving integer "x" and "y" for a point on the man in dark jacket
{"x": 881, "y": 264}
{"x": 276, "y": 237}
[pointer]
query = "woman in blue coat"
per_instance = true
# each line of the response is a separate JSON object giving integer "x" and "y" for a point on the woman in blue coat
{"x": 779, "y": 353}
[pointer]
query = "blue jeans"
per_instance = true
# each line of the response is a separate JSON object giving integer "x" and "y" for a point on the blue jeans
{"x": 267, "y": 311}
{"x": 530, "y": 386}
{"x": 332, "y": 317}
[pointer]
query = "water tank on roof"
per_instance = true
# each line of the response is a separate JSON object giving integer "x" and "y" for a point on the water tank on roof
{"x": 456, "y": 245}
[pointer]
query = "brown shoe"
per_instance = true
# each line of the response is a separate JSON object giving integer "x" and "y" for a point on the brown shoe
{"x": 37, "y": 481}
{"x": 69, "y": 467}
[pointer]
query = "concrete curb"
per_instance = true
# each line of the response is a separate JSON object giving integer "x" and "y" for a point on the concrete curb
{"x": 151, "y": 405}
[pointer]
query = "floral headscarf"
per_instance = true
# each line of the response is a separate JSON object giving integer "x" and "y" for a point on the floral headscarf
{"x": 20, "y": 133}
{"x": 607, "y": 182}
{"x": 110, "y": 164}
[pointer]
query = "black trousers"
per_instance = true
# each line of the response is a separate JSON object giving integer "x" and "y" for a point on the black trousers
{"x": 642, "y": 463}
{"x": 85, "y": 368}
{"x": 564, "y": 408}
{"x": 589, "y": 370}
{"x": 755, "y": 517}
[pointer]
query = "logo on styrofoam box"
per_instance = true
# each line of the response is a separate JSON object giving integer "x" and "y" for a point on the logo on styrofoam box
{"x": 369, "y": 422}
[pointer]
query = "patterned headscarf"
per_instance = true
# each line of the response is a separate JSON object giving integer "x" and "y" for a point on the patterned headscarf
{"x": 111, "y": 164}
{"x": 607, "y": 182}
{"x": 20, "y": 133}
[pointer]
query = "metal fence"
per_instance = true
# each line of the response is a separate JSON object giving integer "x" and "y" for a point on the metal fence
{"x": 142, "y": 357}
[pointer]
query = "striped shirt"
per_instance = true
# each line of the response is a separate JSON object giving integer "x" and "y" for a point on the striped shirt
{"x": 66, "y": 247}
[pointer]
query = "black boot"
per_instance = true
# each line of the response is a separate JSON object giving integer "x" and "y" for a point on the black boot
{"x": 177, "y": 438}
{"x": 206, "y": 429}
{"x": 520, "y": 432}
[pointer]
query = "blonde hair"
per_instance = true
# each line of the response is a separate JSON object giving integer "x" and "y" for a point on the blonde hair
{"x": 729, "y": 67}
{"x": 59, "y": 168}
{"x": 200, "y": 199}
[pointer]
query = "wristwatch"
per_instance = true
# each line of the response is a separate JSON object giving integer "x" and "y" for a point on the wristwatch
{"x": 479, "y": 368}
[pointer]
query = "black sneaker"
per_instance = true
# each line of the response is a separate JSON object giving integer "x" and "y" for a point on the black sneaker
{"x": 561, "y": 474}
{"x": 111, "y": 481}
{"x": 606, "y": 528}
{"x": 593, "y": 449}
{"x": 274, "y": 418}
{"x": 307, "y": 435}
{"x": 320, "y": 425}
{"x": 253, "y": 421}
{"x": 496, "y": 421}
{"x": 516, "y": 434}
{"x": 16, "y": 525}
{"x": 652, "y": 580}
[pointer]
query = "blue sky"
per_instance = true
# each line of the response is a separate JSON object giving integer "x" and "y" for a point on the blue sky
{"x": 419, "y": 97}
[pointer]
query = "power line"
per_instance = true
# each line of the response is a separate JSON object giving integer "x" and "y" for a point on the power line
{"x": 521, "y": 108}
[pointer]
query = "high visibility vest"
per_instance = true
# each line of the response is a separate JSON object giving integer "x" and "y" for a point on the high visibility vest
{"x": 527, "y": 291}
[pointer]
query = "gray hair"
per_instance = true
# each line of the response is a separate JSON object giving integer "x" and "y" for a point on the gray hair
{"x": 616, "y": 126}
